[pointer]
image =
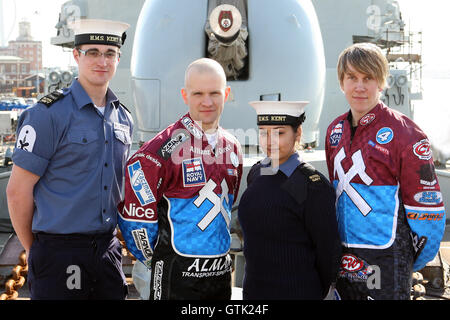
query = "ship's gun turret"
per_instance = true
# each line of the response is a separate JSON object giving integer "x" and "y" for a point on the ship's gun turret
{"x": 281, "y": 59}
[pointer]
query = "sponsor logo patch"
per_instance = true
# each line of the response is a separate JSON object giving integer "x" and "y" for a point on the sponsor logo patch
{"x": 197, "y": 150}
{"x": 418, "y": 243}
{"x": 425, "y": 216}
{"x": 336, "y": 134}
{"x": 354, "y": 268}
{"x": 172, "y": 143}
{"x": 234, "y": 159}
{"x": 385, "y": 135}
{"x": 379, "y": 148}
{"x": 422, "y": 149}
{"x": 149, "y": 157}
{"x": 157, "y": 279}
{"x": 139, "y": 184}
{"x": 368, "y": 118}
{"x": 428, "y": 198}
{"x": 192, "y": 128}
{"x": 134, "y": 213}
{"x": 142, "y": 242}
{"x": 193, "y": 173}
{"x": 208, "y": 267}
{"x": 350, "y": 263}
{"x": 427, "y": 175}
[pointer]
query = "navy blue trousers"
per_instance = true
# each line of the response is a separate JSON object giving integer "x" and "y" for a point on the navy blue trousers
{"x": 76, "y": 267}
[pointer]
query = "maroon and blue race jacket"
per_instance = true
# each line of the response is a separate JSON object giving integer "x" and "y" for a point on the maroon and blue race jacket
{"x": 179, "y": 193}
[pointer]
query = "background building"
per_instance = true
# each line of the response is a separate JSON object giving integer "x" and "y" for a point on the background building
{"x": 20, "y": 61}
{"x": 25, "y": 47}
{"x": 13, "y": 72}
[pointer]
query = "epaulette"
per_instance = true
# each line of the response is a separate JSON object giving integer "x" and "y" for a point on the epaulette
{"x": 51, "y": 98}
{"x": 255, "y": 170}
{"x": 310, "y": 172}
{"x": 123, "y": 106}
{"x": 301, "y": 180}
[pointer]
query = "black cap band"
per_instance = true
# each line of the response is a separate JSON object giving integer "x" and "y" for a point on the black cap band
{"x": 227, "y": 40}
{"x": 279, "y": 119}
{"x": 98, "y": 38}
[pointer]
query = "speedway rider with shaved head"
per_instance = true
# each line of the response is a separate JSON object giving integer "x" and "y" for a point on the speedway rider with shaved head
{"x": 179, "y": 190}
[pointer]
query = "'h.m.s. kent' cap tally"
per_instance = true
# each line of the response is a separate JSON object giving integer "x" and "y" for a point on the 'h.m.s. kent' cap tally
{"x": 279, "y": 112}
{"x": 97, "y": 31}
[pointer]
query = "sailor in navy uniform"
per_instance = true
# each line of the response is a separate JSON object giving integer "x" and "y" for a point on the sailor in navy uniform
{"x": 68, "y": 174}
{"x": 287, "y": 214}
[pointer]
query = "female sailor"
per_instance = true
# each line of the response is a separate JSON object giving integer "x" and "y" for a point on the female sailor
{"x": 287, "y": 214}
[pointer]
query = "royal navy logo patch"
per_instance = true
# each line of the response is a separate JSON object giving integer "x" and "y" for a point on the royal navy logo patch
{"x": 193, "y": 173}
{"x": 336, "y": 134}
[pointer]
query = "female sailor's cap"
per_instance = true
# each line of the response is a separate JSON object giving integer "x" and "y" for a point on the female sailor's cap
{"x": 279, "y": 112}
{"x": 97, "y": 31}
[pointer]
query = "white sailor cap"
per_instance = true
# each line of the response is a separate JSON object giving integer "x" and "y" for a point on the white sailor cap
{"x": 225, "y": 21}
{"x": 97, "y": 31}
{"x": 279, "y": 112}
